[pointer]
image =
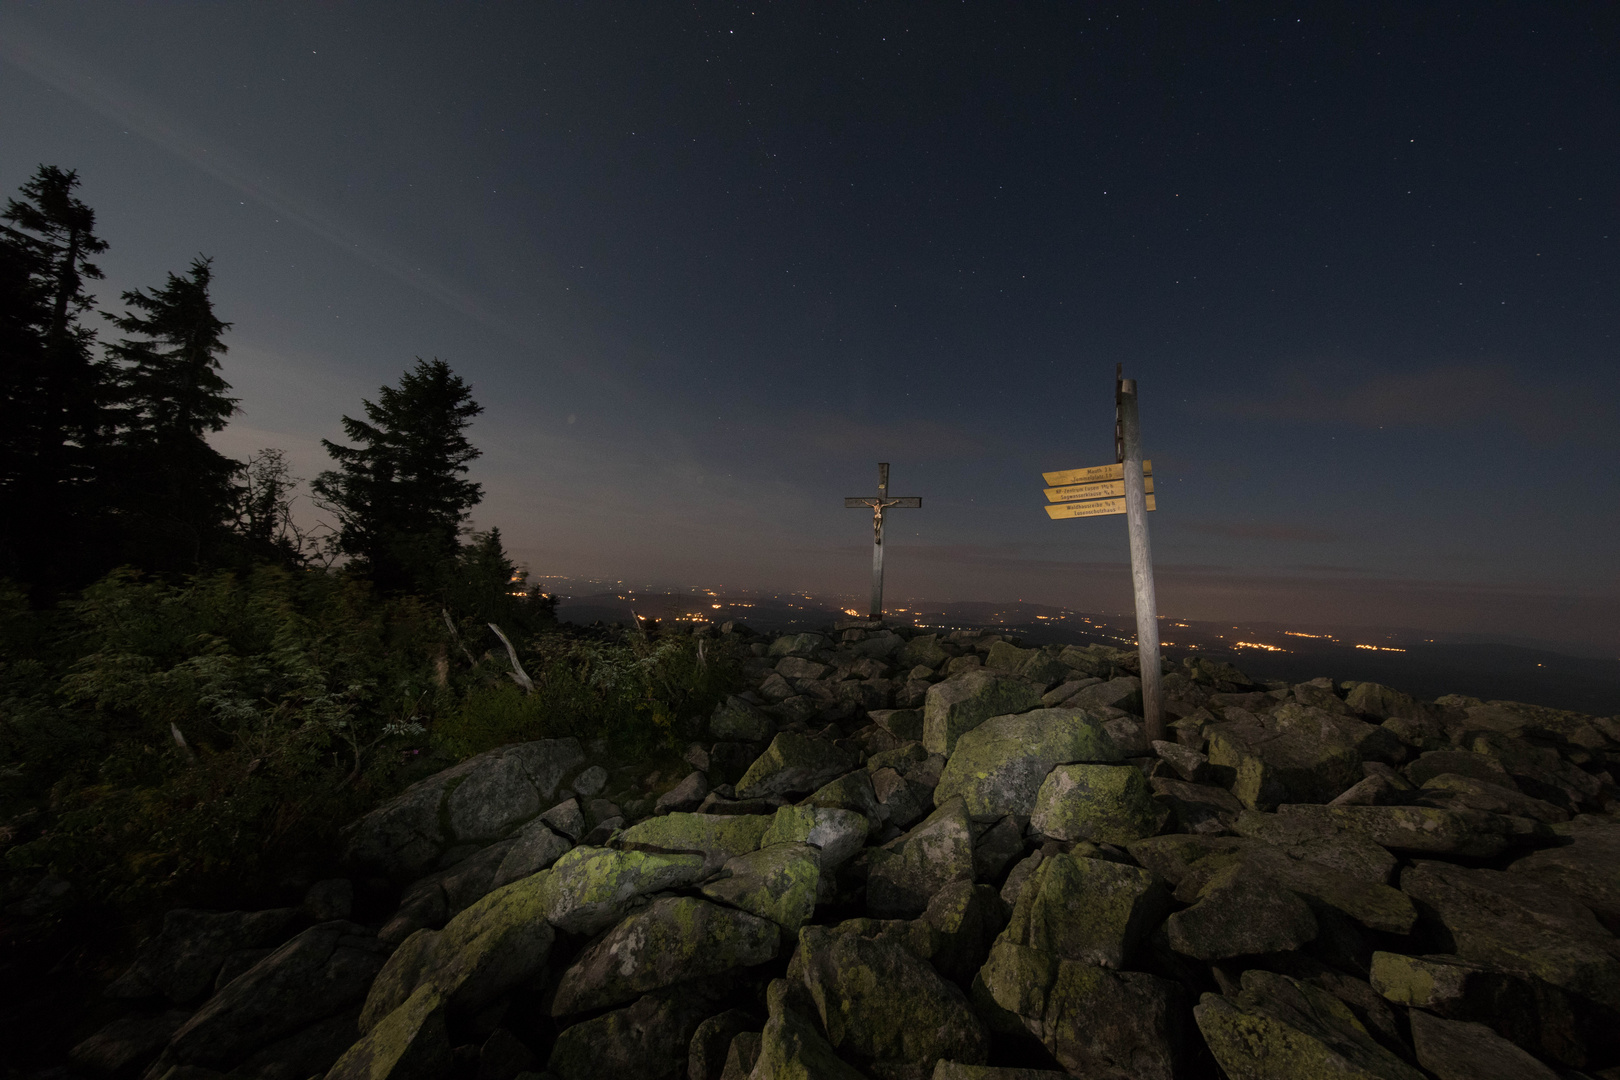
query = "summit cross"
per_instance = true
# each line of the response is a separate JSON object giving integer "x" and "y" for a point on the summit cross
{"x": 879, "y": 505}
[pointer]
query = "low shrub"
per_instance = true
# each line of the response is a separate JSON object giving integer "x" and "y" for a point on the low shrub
{"x": 639, "y": 694}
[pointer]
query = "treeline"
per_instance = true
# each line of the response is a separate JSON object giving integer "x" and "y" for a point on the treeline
{"x": 104, "y": 452}
{"x": 196, "y": 691}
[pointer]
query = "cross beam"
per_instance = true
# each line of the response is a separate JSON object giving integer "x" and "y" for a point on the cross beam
{"x": 879, "y": 505}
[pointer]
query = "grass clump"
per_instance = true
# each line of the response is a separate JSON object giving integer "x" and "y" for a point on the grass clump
{"x": 640, "y": 694}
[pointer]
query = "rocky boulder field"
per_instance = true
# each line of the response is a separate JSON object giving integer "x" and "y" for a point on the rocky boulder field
{"x": 906, "y": 855}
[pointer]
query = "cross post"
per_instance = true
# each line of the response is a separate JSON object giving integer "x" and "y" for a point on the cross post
{"x": 879, "y": 505}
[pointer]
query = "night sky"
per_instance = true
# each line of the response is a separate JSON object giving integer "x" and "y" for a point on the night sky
{"x": 706, "y": 264}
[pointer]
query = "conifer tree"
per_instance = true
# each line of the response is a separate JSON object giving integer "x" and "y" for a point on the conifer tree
{"x": 170, "y": 490}
{"x": 399, "y": 495}
{"x": 50, "y": 385}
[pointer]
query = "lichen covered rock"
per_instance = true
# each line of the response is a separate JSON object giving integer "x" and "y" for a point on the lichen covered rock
{"x": 1109, "y": 804}
{"x": 410, "y": 1043}
{"x": 589, "y": 889}
{"x": 1088, "y": 910}
{"x": 964, "y": 701}
{"x": 1277, "y": 1028}
{"x": 998, "y": 766}
{"x": 777, "y": 883}
{"x": 880, "y": 1003}
{"x": 904, "y": 877}
{"x": 794, "y": 764}
{"x": 673, "y": 939}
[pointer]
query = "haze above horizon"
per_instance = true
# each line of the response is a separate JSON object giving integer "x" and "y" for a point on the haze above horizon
{"x": 705, "y": 267}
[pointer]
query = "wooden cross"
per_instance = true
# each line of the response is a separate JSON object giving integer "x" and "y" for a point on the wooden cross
{"x": 878, "y": 505}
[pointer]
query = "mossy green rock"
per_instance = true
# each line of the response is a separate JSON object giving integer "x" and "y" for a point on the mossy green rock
{"x": 1297, "y": 754}
{"x": 1124, "y": 692}
{"x": 1241, "y": 913}
{"x": 410, "y": 1043}
{"x": 1587, "y": 867}
{"x": 997, "y": 768}
{"x": 590, "y": 888}
{"x": 963, "y": 702}
{"x": 1513, "y": 923}
{"x": 852, "y": 791}
{"x": 838, "y": 833}
{"x": 880, "y": 1003}
{"x": 1382, "y": 702}
{"x": 717, "y": 837}
{"x": 479, "y": 955}
{"x": 794, "y": 763}
{"x": 903, "y": 724}
{"x": 924, "y": 650}
{"x": 1005, "y": 656}
{"x": 1092, "y": 1019}
{"x": 1016, "y": 978}
{"x": 1424, "y": 982}
{"x": 673, "y": 939}
{"x": 1107, "y": 804}
{"x": 1172, "y": 855}
{"x": 776, "y": 883}
{"x": 1276, "y": 1028}
{"x": 904, "y": 877}
{"x": 740, "y": 721}
{"x": 1087, "y": 910}
{"x": 399, "y": 978}
{"x": 966, "y": 919}
{"x": 1416, "y": 829}
{"x": 1322, "y": 838}
{"x": 792, "y": 1049}
{"x": 797, "y": 644}
{"x": 648, "y": 1038}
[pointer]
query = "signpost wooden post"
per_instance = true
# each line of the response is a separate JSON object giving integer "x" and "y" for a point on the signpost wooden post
{"x": 1147, "y": 604}
{"x": 1125, "y": 487}
{"x": 879, "y": 505}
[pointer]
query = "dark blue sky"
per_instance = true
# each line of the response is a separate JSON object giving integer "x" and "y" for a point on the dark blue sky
{"x": 706, "y": 264}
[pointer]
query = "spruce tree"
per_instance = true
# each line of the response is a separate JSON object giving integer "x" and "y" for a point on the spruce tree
{"x": 170, "y": 490}
{"x": 399, "y": 495}
{"x": 50, "y": 385}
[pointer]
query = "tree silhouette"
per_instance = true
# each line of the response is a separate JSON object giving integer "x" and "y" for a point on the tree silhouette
{"x": 50, "y": 385}
{"x": 170, "y": 490}
{"x": 399, "y": 495}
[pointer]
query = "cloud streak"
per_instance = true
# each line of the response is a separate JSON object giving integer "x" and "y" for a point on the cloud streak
{"x": 22, "y": 47}
{"x": 1447, "y": 396}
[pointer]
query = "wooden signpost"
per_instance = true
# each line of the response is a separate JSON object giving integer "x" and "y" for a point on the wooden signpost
{"x": 879, "y": 505}
{"x": 1097, "y": 508}
{"x": 1123, "y": 488}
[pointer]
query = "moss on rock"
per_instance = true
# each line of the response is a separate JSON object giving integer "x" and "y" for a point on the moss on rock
{"x": 776, "y": 883}
{"x": 1110, "y": 804}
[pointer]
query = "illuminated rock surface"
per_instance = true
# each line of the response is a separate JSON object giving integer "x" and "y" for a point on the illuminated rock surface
{"x": 1000, "y": 881}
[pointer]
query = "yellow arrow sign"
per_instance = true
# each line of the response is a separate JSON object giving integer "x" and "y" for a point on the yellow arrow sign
{"x": 1114, "y": 488}
{"x": 1093, "y": 474}
{"x": 1098, "y": 508}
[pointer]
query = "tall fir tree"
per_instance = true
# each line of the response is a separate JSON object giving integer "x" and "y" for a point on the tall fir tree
{"x": 170, "y": 492}
{"x": 51, "y": 388}
{"x": 400, "y": 494}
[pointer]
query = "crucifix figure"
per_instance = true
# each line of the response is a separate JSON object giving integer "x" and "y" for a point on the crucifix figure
{"x": 878, "y": 505}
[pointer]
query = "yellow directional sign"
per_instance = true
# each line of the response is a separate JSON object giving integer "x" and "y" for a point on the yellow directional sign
{"x": 1114, "y": 488}
{"x": 1097, "y": 508}
{"x": 1092, "y": 475}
